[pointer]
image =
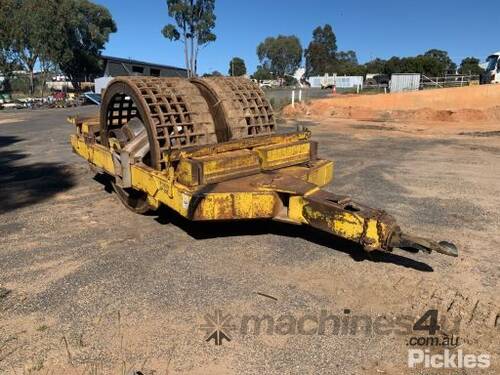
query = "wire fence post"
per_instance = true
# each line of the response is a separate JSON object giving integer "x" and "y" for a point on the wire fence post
{"x": 293, "y": 98}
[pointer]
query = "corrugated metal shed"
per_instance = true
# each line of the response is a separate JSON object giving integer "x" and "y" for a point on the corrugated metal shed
{"x": 116, "y": 66}
{"x": 405, "y": 82}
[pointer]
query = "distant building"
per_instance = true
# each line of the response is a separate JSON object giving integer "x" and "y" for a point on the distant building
{"x": 116, "y": 66}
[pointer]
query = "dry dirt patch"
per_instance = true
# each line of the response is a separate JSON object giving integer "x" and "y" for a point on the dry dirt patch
{"x": 465, "y": 104}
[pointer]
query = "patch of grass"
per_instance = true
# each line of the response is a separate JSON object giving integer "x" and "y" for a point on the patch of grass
{"x": 37, "y": 366}
{"x": 42, "y": 328}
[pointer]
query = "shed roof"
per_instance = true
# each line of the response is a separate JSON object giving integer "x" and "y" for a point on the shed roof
{"x": 138, "y": 62}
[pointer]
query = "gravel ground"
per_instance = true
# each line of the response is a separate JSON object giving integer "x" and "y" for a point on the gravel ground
{"x": 88, "y": 287}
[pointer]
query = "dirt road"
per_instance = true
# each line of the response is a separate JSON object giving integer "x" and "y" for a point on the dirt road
{"x": 89, "y": 287}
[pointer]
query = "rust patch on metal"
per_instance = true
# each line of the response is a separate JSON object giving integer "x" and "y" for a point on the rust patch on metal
{"x": 239, "y": 106}
{"x": 172, "y": 110}
{"x": 324, "y": 208}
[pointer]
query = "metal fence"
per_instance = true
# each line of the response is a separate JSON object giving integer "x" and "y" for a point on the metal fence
{"x": 400, "y": 82}
{"x": 279, "y": 97}
{"x": 415, "y": 81}
{"x": 450, "y": 80}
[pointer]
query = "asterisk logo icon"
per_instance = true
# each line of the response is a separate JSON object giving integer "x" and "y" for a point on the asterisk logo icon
{"x": 217, "y": 327}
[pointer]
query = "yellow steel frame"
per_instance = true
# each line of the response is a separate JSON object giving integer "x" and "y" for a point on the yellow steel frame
{"x": 259, "y": 195}
{"x": 251, "y": 202}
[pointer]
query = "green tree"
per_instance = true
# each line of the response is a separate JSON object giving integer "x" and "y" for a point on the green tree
{"x": 393, "y": 65}
{"x": 27, "y": 28}
{"x": 320, "y": 54}
{"x": 194, "y": 20}
{"x": 8, "y": 64}
{"x": 67, "y": 33}
{"x": 375, "y": 66}
{"x": 85, "y": 29}
{"x": 348, "y": 57}
{"x": 346, "y": 63}
{"x": 470, "y": 65}
{"x": 433, "y": 63}
{"x": 442, "y": 62}
{"x": 8, "y": 59}
{"x": 281, "y": 55}
{"x": 237, "y": 67}
{"x": 214, "y": 73}
{"x": 262, "y": 73}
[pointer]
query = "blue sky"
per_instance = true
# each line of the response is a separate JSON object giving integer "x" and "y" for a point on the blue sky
{"x": 382, "y": 28}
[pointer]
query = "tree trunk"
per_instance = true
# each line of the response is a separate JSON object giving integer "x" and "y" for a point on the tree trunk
{"x": 6, "y": 84}
{"x": 186, "y": 55}
{"x": 186, "y": 59}
{"x": 193, "y": 66}
{"x": 196, "y": 58}
{"x": 45, "y": 74}
{"x": 32, "y": 81}
{"x": 76, "y": 85}
{"x": 192, "y": 33}
{"x": 28, "y": 62}
{"x": 45, "y": 69}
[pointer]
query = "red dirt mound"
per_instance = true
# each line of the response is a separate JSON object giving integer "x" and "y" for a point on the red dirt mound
{"x": 469, "y": 104}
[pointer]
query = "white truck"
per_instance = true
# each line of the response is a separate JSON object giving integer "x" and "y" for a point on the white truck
{"x": 492, "y": 69}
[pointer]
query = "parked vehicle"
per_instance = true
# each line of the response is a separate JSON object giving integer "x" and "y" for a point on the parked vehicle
{"x": 492, "y": 69}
